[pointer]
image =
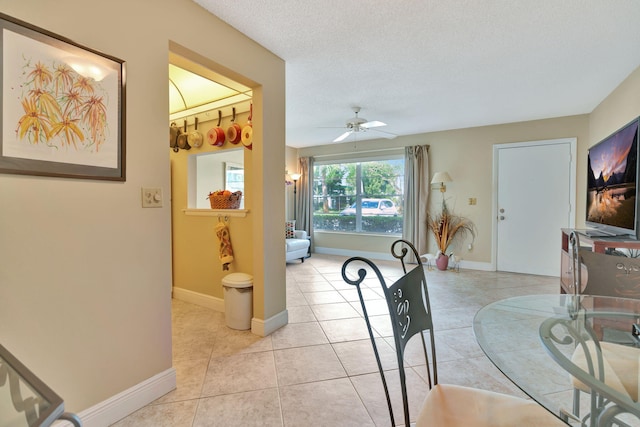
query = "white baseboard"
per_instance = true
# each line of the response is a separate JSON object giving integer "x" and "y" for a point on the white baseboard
{"x": 467, "y": 265}
{"x": 197, "y": 298}
{"x": 258, "y": 326}
{"x": 475, "y": 265}
{"x": 349, "y": 253}
{"x": 265, "y": 327}
{"x": 127, "y": 402}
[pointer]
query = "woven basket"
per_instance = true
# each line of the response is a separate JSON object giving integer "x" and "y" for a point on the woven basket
{"x": 225, "y": 202}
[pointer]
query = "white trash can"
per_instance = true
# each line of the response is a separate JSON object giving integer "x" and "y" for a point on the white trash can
{"x": 238, "y": 300}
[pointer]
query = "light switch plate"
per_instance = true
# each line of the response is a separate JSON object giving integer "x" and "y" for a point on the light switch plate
{"x": 151, "y": 197}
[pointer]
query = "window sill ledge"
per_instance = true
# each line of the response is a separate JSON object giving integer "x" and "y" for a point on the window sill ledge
{"x": 241, "y": 213}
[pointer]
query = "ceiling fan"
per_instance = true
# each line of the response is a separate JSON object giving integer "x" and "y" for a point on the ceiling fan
{"x": 359, "y": 124}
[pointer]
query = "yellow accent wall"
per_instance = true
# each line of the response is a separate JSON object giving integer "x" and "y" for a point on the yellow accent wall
{"x": 196, "y": 264}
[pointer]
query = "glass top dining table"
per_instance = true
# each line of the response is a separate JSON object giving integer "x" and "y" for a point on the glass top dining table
{"x": 25, "y": 400}
{"x": 546, "y": 344}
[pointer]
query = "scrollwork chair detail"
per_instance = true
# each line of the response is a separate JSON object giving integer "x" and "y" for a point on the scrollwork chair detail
{"x": 594, "y": 362}
{"x": 612, "y": 276}
{"x": 410, "y": 314}
{"x": 607, "y": 275}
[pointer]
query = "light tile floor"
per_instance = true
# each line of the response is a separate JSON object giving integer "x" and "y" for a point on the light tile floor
{"x": 319, "y": 370}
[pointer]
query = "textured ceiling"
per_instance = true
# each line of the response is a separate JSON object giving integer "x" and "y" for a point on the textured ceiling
{"x": 430, "y": 65}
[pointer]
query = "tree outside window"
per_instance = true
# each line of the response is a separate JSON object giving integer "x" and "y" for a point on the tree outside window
{"x": 359, "y": 196}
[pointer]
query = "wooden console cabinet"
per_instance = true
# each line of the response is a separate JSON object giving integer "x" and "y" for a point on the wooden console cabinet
{"x": 597, "y": 244}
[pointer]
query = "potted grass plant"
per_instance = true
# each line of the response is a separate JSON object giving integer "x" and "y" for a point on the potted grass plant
{"x": 447, "y": 228}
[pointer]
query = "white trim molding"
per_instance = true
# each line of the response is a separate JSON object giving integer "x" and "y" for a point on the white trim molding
{"x": 476, "y": 265}
{"x": 349, "y": 253}
{"x": 127, "y": 402}
{"x": 241, "y": 213}
{"x": 197, "y": 298}
{"x": 258, "y": 326}
{"x": 266, "y": 327}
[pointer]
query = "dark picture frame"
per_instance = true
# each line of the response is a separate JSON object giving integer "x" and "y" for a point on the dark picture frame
{"x": 63, "y": 106}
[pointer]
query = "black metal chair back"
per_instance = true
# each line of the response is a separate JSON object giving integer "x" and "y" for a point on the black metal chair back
{"x": 409, "y": 309}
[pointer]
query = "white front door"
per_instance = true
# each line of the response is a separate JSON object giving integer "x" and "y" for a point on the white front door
{"x": 535, "y": 199}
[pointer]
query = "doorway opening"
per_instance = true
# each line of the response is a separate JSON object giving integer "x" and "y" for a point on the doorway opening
{"x": 203, "y": 99}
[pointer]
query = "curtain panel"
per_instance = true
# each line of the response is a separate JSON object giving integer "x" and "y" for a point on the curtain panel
{"x": 416, "y": 195}
{"x": 305, "y": 205}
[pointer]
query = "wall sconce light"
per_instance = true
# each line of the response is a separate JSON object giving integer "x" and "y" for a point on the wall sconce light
{"x": 295, "y": 177}
{"x": 441, "y": 177}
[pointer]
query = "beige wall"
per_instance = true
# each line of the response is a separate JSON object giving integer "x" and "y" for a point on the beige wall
{"x": 467, "y": 154}
{"x": 85, "y": 277}
{"x": 617, "y": 109}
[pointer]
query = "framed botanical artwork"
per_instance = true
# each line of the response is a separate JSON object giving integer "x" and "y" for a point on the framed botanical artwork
{"x": 63, "y": 106}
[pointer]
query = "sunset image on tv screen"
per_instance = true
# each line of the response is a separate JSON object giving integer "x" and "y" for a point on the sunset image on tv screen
{"x": 611, "y": 179}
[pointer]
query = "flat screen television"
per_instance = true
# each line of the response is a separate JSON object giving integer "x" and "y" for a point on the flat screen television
{"x": 612, "y": 184}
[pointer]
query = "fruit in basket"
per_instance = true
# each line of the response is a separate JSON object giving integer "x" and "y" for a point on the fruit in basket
{"x": 225, "y": 199}
{"x": 224, "y": 193}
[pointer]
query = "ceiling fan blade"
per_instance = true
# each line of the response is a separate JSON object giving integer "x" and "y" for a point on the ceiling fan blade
{"x": 387, "y": 135}
{"x": 372, "y": 124}
{"x": 343, "y": 136}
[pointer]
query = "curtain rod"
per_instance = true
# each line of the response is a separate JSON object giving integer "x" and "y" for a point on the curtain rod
{"x": 320, "y": 156}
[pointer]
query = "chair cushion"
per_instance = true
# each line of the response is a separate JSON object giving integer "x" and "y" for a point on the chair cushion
{"x": 296, "y": 244}
{"x": 289, "y": 229}
{"x": 621, "y": 367}
{"x": 453, "y": 405}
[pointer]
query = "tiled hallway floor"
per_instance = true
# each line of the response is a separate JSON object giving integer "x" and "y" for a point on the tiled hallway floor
{"x": 319, "y": 370}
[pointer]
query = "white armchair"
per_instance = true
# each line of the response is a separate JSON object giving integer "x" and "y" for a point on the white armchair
{"x": 298, "y": 246}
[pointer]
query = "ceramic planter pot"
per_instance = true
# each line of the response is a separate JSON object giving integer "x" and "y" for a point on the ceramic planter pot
{"x": 442, "y": 261}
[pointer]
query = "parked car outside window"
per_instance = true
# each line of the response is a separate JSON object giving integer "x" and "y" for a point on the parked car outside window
{"x": 373, "y": 207}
